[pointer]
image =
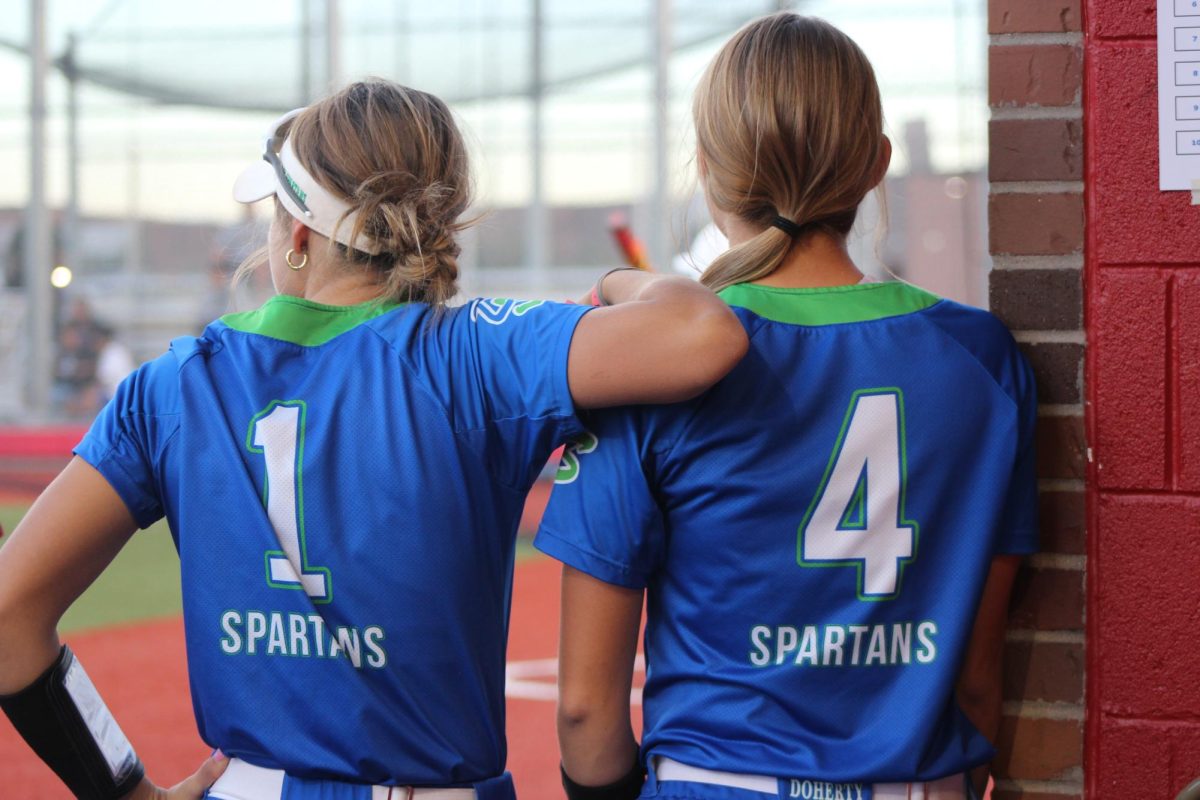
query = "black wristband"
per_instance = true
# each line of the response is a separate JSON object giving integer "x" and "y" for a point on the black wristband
{"x": 65, "y": 722}
{"x": 626, "y": 787}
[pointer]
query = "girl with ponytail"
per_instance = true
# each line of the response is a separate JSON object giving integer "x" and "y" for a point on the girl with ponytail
{"x": 826, "y": 540}
{"x": 343, "y": 471}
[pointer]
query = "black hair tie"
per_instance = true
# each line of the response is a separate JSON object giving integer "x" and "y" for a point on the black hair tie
{"x": 787, "y": 226}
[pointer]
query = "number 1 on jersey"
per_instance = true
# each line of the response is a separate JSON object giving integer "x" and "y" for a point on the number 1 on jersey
{"x": 278, "y": 433}
{"x": 856, "y": 518}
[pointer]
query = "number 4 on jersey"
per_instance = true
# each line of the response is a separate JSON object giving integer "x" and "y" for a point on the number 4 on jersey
{"x": 278, "y": 433}
{"x": 857, "y": 518}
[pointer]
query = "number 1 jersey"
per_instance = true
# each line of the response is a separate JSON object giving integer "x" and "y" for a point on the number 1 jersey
{"x": 814, "y": 532}
{"x": 344, "y": 486}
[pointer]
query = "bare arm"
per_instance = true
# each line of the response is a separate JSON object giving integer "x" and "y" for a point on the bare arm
{"x": 597, "y": 646}
{"x": 980, "y": 681}
{"x": 664, "y": 339}
{"x": 76, "y": 527}
{"x": 66, "y": 540}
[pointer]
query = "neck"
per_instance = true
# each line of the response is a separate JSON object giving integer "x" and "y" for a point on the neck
{"x": 815, "y": 261}
{"x": 341, "y": 295}
{"x": 332, "y": 284}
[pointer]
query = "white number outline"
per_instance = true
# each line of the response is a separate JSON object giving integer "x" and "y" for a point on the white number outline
{"x": 305, "y": 568}
{"x": 902, "y": 520}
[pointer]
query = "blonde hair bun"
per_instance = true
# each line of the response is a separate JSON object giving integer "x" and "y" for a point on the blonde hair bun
{"x": 397, "y": 157}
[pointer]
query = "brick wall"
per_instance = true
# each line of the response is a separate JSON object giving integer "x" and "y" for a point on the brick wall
{"x": 1143, "y": 322}
{"x": 1036, "y": 215}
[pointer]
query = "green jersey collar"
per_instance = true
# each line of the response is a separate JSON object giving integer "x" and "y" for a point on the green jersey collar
{"x": 831, "y": 305}
{"x": 303, "y": 322}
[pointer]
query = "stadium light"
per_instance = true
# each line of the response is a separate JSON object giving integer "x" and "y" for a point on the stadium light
{"x": 60, "y": 277}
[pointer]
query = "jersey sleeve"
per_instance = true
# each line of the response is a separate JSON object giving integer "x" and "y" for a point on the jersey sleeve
{"x": 603, "y": 518}
{"x": 125, "y": 441}
{"x": 1018, "y": 533}
{"x": 522, "y": 350}
{"x": 499, "y": 368}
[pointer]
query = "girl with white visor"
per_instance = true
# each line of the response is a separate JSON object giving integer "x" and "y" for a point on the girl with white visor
{"x": 343, "y": 471}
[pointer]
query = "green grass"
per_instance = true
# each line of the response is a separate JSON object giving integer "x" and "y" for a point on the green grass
{"x": 143, "y": 581}
{"x": 9, "y": 517}
{"x": 526, "y": 551}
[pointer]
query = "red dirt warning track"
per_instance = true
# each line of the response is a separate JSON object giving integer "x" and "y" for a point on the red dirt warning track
{"x": 141, "y": 671}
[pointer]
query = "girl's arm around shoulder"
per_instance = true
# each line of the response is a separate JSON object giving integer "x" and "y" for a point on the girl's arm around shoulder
{"x": 663, "y": 340}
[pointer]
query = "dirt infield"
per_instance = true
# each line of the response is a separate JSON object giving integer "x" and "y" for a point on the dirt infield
{"x": 140, "y": 670}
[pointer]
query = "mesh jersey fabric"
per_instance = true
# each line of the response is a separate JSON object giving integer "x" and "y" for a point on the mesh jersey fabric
{"x": 814, "y": 532}
{"x": 344, "y": 486}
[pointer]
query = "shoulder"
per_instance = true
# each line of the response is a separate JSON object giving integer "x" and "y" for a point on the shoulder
{"x": 398, "y": 325}
{"x": 525, "y": 325}
{"x": 645, "y": 432}
{"x": 145, "y": 410}
{"x": 476, "y": 315}
{"x": 968, "y": 322}
{"x": 986, "y": 340}
{"x": 152, "y": 389}
{"x": 497, "y": 311}
{"x": 751, "y": 320}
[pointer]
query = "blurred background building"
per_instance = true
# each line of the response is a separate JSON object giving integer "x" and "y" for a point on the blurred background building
{"x": 122, "y": 148}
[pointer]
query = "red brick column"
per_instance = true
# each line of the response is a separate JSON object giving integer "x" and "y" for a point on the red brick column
{"x": 1037, "y": 243}
{"x": 1143, "y": 323}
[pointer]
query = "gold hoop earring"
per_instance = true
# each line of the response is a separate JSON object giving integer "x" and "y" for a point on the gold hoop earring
{"x": 297, "y": 267}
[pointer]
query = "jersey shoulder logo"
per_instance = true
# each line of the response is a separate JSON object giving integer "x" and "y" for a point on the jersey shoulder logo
{"x": 497, "y": 310}
{"x": 568, "y": 468}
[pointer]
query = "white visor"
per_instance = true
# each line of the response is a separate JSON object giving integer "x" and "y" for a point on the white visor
{"x": 259, "y": 181}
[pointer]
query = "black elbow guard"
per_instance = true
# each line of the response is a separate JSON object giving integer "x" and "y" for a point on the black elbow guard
{"x": 627, "y": 787}
{"x": 61, "y": 716}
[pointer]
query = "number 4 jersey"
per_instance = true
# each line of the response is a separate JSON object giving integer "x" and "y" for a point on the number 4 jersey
{"x": 814, "y": 532}
{"x": 344, "y": 486}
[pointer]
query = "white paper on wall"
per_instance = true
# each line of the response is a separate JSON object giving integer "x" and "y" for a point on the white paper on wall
{"x": 1178, "y": 94}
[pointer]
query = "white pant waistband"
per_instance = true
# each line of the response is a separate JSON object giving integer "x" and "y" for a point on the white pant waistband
{"x": 242, "y": 781}
{"x": 952, "y": 787}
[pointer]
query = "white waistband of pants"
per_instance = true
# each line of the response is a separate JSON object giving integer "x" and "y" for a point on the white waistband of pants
{"x": 242, "y": 781}
{"x": 952, "y": 787}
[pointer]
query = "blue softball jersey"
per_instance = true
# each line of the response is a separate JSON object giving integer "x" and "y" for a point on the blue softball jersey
{"x": 814, "y": 533}
{"x": 344, "y": 486}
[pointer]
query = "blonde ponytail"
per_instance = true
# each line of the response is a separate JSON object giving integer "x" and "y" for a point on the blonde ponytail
{"x": 748, "y": 261}
{"x": 788, "y": 123}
